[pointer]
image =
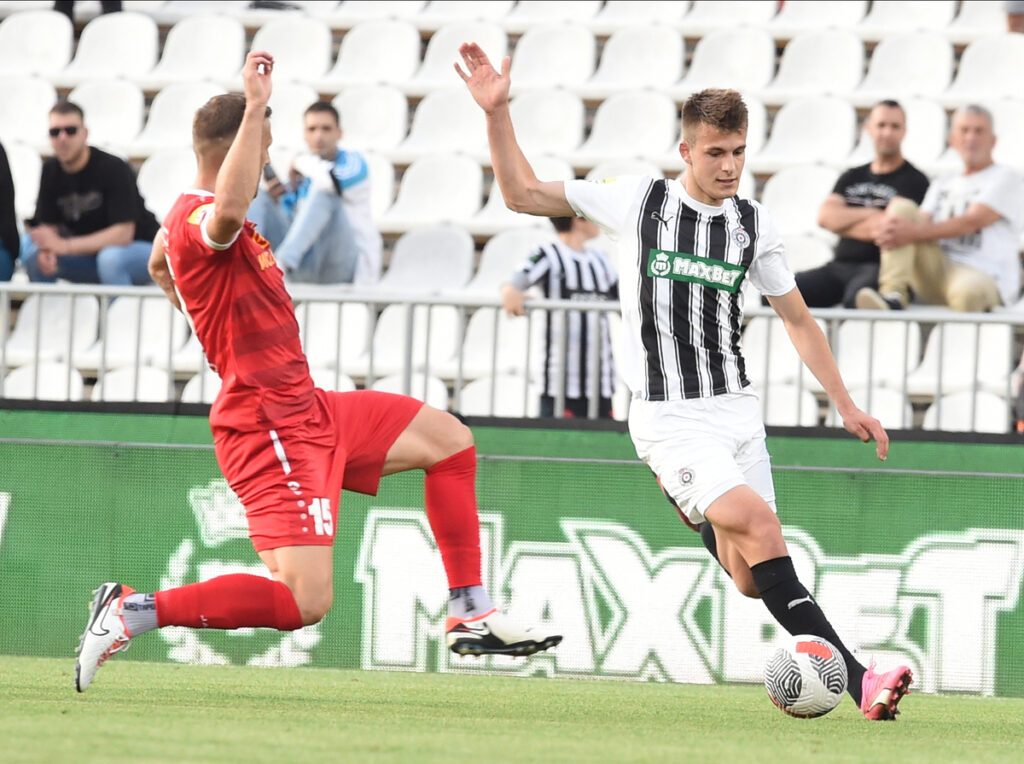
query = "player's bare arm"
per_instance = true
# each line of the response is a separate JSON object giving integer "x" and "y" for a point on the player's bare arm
{"x": 810, "y": 343}
{"x": 519, "y": 186}
{"x": 239, "y": 175}
{"x": 161, "y": 272}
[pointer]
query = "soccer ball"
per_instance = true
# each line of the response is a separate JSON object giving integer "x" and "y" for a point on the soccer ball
{"x": 806, "y": 677}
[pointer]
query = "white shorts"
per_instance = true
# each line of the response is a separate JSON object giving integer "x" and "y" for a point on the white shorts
{"x": 702, "y": 447}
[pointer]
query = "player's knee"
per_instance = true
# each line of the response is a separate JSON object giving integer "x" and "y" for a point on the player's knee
{"x": 747, "y": 588}
{"x": 313, "y": 607}
{"x": 455, "y": 435}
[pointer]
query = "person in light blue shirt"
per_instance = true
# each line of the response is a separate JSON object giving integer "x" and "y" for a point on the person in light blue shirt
{"x": 320, "y": 223}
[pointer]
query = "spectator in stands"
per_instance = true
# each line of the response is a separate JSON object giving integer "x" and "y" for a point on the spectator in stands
{"x": 569, "y": 270}
{"x": 67, "y": 7}
{"x": 9, "y": 242}
{"x": 1014, "y": 15}
{"x": 856, "y": 206}
{"x": 91, "y": 225}
{"x": 320, "y": 223}
{"x": 961, "y": 248}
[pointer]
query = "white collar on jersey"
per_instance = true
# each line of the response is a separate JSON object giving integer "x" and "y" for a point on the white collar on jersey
{"x": 706, "y": 209}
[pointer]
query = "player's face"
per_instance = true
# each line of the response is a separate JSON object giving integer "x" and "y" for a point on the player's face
{"x": 886, "y": 126}
{"x": 67, "y": 148}
{"x": 714, "y": 162}
{"x": 322, "y": 134}
{"x": 972, "y": 137}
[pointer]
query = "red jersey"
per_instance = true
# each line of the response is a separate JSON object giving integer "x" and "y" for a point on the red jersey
{"x": 239, "y": 308}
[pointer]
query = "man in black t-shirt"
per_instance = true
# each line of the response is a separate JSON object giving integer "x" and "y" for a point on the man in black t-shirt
{"x": 854, "y": 209}
{"x": 9, "y": 244}
{"x": 91, "y": 225}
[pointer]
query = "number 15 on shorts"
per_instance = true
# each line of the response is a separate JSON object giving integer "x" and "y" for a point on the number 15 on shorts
{"x": 320, "y": 511}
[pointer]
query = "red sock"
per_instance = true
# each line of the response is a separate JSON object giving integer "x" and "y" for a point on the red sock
{"x": 229, "y": 602}
{"x": 450, "y": 495}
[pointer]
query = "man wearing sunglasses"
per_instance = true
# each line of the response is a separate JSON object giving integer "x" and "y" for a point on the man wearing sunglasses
{"x": 91, "y": 225}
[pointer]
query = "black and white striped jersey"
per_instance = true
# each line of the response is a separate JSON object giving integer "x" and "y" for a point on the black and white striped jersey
{"x": 681, "y": 267}
{"x": 563, "y": 273}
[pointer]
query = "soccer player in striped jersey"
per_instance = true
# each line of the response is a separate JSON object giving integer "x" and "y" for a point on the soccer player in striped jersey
{"x": 285, "y": 447}
{"x": 567, "y": 269}
{"x": 684, "y": 248}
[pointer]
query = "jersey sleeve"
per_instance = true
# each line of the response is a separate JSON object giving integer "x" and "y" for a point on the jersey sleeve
{"x": 193, "y": 230}
{"x": 532, "y": 270}
{"x": 606, "y": 203}
{"x": 349, "y": 169}
{"x": 769, "y": 272}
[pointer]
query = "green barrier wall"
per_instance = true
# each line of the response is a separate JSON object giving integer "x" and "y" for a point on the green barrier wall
{"x": 918, "y": 560}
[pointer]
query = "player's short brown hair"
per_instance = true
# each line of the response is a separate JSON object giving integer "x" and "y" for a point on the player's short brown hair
{"x": 721, "y": 109}
{"x": 218, "y": 120}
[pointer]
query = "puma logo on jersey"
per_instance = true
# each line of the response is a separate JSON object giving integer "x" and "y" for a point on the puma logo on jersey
{"x": 655, "y": 215}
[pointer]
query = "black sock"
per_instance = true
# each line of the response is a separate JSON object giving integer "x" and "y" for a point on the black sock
{"x": 707, "y": 535}
{"x": 797, "y": 612}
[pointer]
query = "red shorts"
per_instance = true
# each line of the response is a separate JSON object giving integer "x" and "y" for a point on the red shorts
{"x": 290, "y": 479}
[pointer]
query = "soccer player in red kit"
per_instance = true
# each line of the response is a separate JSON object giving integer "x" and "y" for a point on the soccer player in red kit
{"x": 285, "y": 447}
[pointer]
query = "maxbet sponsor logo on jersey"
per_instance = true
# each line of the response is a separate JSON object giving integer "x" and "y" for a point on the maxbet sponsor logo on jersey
{"x": 631, "y": 612}
{"x": 680, "y": 266}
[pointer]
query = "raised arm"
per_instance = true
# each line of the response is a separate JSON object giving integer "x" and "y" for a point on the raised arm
{"x": 239, "y": 175}
{"x": 518, "y": 183}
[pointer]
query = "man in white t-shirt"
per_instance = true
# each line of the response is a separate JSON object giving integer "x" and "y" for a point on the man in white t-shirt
{"x": 685, "y": 248}
{"x": 961, "y": 248}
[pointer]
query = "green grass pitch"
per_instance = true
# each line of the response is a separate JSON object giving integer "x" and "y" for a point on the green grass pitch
{"x": 148, "y": 712}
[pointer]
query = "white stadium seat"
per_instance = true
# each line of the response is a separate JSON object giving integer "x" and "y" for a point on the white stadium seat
{"x": 169, "y": 122}
{"x": 35, "y": 42}
{"x": 529, "y": 14}
{"x": 770, "y": 356}
{"x": 373, "y": 116}
{"x": 288, "y": 104}
{"x": 989, "y": 68}
{"x": 957, "y": 357}
{"x": 552, "y": 56}
{"x": 896, "y": 17}
{"x": 807, "y": 130}
{"x": 505, "y": 395}
{"x": 334, "y": 335}
{"x": 626, "y": 124}
{"x": 636, "y": 57}
{"x": 391, "y": 339}
{"x": 503, "y": 254}
{"x": 122, "y": 44}
{"x": 382, "y": 183}
{"x": 201, "y": 388}
{"x": 46, "y": 381}
{"x": 350, "y": 13}
{"x": 429, "y": 389}
{"x": 806, "y": 251}
{"x": 63, "y": 323}
{"x": 1008, "y": 115}
{"x": 789, "y": 406}
{"x": 618, "y": 14}
{"x": 301, "y": 46}
{"x": 793, "y": 196}
{"x": 495, "y": 216}
{"x": 796, "y": 18}
{"x": 439, "y": 13}
{"x": 877, "y": 353}
{"x": 707, "y": 16}
{"x": 446, "y": 121}
{"x": 204, "y": 46}
{"x": 437, "y": 70}
{"x": 375, "y": 51}
{"x": 148, "y": 329}
{"x": 435, "y": 189}
{"x": 332, "y": 379}
{"x": 967, "y": 412}
{"x": 130, "y": 384}
{"x": 25, "y": 116}
{"x": 742, "y": 58}
{"x": 113, "y": 112}
{"x": 164, "y": 175}
{"x": 821, "y": 62}
{"x": 506, "y": 349}
{"x": 548, "y": 121}
{"x": 888, "y": 406}
{"x": 976, "y": 19}
{"x": 435, "y": 259}
{"x": 26, "y": 167}
{"x": 911, "y": 64}
{"x": 757, "y": 120}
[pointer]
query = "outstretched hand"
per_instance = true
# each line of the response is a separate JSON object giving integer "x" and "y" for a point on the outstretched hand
{"x": 256, "y": 77}
{"x": 488, "y": 88}
{"x": 867, "y": 428}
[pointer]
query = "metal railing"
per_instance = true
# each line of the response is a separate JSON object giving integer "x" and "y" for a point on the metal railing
{"x": 51, "y": 337}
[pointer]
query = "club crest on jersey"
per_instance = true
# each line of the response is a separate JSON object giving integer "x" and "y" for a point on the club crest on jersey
{"x": 680, "y": 266}
{"x": 685, "y": 476}
{"x": 741, "y": 237}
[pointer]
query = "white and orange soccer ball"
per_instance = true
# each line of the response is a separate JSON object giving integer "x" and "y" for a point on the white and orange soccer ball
{"x": 806, "y": 677}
